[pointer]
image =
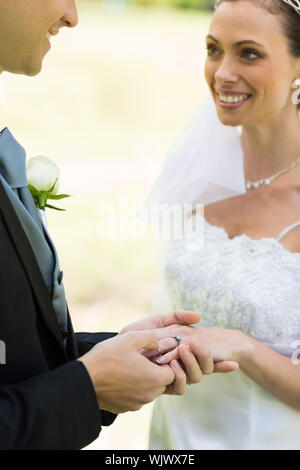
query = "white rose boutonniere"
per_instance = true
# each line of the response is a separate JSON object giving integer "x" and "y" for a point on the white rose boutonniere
{"x": 43, "y": 182}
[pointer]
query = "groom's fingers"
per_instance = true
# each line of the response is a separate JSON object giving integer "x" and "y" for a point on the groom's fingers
{"x": 226, "y": 366}
{"x": 141, "y": 340}
{"x": 180, "y": 317}
{"x": 168, "y": 357}
{"x": 165, "y": 345}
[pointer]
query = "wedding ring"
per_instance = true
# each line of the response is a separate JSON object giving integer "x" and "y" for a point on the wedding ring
{"x": 178, "y": 339}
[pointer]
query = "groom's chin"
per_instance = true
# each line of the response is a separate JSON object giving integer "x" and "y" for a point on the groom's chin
{"x": 30, "y": 68}
{"x": 27, "y": 64}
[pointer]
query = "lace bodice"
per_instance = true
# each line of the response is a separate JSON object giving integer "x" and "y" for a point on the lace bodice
{"x": 244, "y": 284}
{"x": 240, "y": 283}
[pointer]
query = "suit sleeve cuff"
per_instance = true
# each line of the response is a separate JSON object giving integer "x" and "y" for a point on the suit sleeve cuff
{"x": 82, "y": 398}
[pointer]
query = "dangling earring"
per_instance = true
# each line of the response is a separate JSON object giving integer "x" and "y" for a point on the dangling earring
{"x": 296, "y": 83}
{"x": 295, "y": 95}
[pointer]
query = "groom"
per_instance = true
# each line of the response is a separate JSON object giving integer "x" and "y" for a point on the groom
{"x": 58, "y": 388}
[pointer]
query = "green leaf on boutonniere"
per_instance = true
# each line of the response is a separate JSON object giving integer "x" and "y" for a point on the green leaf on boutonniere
{"x": 40, "y": 197}
{"x": 33, "y": 190}
{"x": 53, "y": 207}
{"x": 53, "y": 186}
{"x": 58, "y": 196}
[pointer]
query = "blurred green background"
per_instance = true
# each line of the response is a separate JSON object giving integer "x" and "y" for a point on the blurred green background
{"x": 112, "y": 96}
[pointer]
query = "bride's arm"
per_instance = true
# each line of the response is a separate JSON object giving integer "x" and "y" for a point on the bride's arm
{"x": 276, "y": 373}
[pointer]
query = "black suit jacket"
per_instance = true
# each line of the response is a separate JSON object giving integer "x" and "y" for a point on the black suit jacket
{"x": 47, "y": 400}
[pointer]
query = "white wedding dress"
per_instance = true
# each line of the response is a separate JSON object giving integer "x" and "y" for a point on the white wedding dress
{"x": 243, "y": 284}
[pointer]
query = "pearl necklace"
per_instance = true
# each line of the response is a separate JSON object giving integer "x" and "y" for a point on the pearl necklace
{"x": 266, "y": 181}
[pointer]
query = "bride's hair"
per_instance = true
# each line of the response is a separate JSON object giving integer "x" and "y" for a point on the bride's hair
{"x": 290, "y": 21}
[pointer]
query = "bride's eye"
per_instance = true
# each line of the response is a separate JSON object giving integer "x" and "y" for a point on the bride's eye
{"x": 247, "y": 52}
{"x": 210, "y": 49}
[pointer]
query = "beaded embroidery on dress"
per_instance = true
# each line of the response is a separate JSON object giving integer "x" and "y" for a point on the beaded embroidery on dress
{"x": 244, "y": 284}
{"x": 238, "y": 283}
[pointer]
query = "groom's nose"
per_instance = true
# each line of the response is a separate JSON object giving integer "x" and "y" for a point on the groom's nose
{"x": 70, "y": 17}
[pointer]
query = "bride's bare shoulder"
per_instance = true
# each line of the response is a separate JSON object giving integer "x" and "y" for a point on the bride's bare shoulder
{"x": 222, "y": 209}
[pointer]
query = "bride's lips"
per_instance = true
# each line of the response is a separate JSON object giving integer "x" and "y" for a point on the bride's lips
{"x": 232, "y": 105}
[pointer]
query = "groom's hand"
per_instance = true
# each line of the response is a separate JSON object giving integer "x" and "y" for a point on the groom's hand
{"x": 125, "y": 380}
{"x": 180, "y": 317}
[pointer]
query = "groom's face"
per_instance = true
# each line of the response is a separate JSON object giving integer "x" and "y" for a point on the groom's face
{"x": 24, "y": 25}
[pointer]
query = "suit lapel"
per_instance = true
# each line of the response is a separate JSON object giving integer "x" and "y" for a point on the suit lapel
{"x": 28, "y": 260}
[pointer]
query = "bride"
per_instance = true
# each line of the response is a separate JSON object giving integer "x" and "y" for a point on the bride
{"x": 240, "y": 159}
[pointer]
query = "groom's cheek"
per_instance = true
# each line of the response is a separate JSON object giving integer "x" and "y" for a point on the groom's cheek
{"x": 24, "y": 25}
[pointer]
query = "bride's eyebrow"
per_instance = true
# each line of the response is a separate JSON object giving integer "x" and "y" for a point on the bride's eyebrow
{"x": 239, "y": 43}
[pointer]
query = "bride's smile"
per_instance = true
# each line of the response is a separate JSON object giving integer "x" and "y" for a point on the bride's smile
{"x": 249, "y": 67}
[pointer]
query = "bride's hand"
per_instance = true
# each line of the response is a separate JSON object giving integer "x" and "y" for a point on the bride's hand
{"x": 187, "y": 370}
{"x": 193, "y": 363}
{"x": 222, "y": 344}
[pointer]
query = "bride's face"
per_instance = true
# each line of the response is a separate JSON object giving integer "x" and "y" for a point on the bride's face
{"x": 260, "y": 72}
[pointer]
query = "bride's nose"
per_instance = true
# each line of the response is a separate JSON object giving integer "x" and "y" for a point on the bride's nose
{"x": 226, "y": 72}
